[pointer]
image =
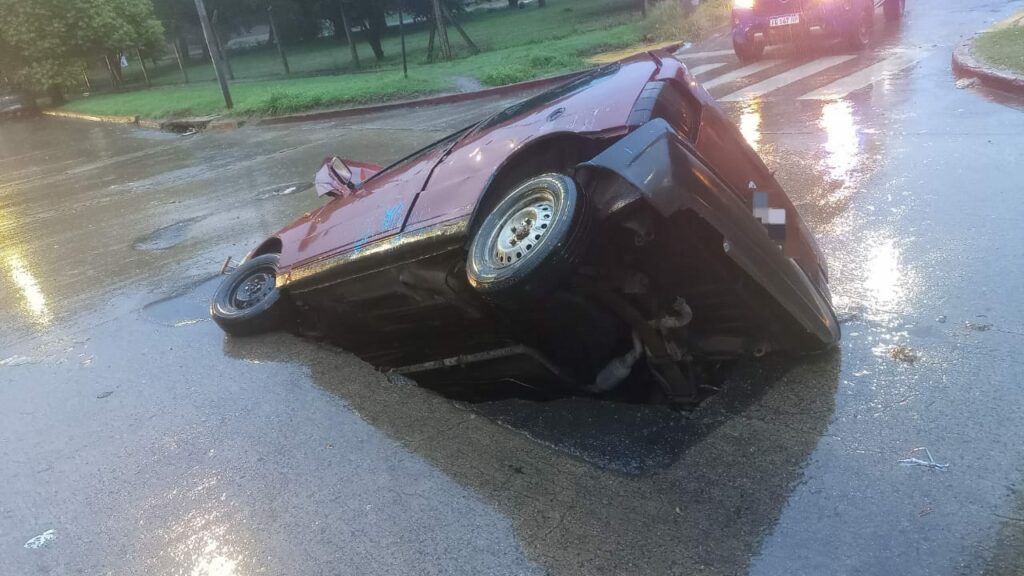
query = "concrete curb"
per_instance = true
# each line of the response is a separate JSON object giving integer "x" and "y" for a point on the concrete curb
{"x": 179, "y": 125}
{"x": 428, "y": 101}
{"x": 217, "y": 123}
{"x": 966, "y": 64}
{"x": 92, "y": 118}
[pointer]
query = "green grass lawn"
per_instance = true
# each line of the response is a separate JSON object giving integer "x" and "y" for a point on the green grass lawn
{"x": 516, "y": 45}
{"x": 1003, "y": 48}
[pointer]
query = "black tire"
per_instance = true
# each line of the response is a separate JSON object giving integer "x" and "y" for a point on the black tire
{"x": 248, "y": 302}
{"x": 531, "y": 241}
{"x": 894, "y": 9}
{"x": 749, "y": 52}
{"x": 860, "y": 36}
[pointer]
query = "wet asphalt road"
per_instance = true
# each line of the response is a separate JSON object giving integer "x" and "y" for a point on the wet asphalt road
{"x": 150, "y": 444}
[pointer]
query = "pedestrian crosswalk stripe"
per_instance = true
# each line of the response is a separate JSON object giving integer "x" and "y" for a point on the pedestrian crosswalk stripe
{"x": 705, "y": 68}
{"x": 861, "y": 78}
{"x": 713, "y": 54}
{"x": 739, "y": 73}
{"x": 787, "y": 77}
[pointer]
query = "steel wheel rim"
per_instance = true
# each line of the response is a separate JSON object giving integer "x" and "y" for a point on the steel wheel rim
{"x": 523, "y": 229}
{"x": 252, "y": 289}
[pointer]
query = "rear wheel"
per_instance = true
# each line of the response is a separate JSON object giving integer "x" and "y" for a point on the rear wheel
{"x": 531, "y": 241}
{"x": 860, "y": 34}
{"x": 748, "y": 51}
{"x": 248, "y": 301}
{"x": 894, "y": 9}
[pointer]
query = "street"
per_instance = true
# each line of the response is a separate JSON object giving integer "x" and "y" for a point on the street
{"x": 149, "y": 443}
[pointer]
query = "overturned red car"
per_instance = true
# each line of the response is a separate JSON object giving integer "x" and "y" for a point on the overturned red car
{"x": 617, "y": 227}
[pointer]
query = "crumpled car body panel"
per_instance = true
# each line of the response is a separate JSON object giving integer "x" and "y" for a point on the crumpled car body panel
{"x": 698, "y": 246}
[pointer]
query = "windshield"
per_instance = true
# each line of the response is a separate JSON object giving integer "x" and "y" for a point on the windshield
{"x": 448, "y": 142}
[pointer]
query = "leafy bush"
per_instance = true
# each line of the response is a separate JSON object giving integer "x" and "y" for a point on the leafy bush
{"x": 670, "y": 20}
{"x": 529, "y": 66}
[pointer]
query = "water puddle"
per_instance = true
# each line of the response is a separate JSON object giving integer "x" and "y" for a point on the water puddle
{"x": 185, "y": 308}
{"x": 168, "y": 236}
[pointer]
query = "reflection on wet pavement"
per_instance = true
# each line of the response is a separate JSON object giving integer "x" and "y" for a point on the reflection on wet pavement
{"x": 750, "y": 124}
{"x": 32, "y": 299}
{"x": 842, "y": 146}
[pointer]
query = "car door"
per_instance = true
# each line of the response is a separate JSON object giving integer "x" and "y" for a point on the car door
{"x": 375, "y": 211}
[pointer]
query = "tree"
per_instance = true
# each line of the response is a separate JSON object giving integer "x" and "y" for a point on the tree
{"x": 44, "y": 43}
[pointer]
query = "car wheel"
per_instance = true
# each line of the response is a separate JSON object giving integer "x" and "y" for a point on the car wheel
{"x": 748, "y": 52}
{"x": 860, "y": 35}
{"x": 247, "y": 301}
{"x": 894, "y": 9}
{"x": 531, "y": 241}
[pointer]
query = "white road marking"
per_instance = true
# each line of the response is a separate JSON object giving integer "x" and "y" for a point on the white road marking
{"x": 862, "y": 78}
{"x": 787, "y": 77}
{"x": 739, "y": 73}
{"x": 705, "y": 68}
{"x": 684, "y": 56}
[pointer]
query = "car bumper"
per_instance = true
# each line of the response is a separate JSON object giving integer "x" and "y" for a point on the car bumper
{"x": 665, "y": 171}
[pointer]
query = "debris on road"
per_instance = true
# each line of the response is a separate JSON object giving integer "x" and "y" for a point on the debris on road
{"x": 103, "y": 395}
{"x": 41, "y": 540}
{"x": 977, "y": 326}
{"x": 18, "y": 360}
{"x": 903, "y": 353}
{"x": 930, "y": 463}
{"x": 966, "y": 83}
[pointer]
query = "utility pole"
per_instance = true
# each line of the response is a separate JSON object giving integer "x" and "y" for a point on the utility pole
{"x": 401, "y": 31}
{"x": 211, "y": 44}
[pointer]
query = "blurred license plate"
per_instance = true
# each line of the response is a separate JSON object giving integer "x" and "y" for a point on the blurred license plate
{"x": 784, "y": 20}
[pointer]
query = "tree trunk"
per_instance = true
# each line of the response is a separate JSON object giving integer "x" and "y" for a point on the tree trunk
{"x": 541, "y": 3}
{"x": 85, "y": 76}
{"x": 513, "y": 4}
{"x": 56, "y": 94}
{"x": 444, "y": 48}
{"x": 220, "y": 46}
{"x": 28, "y": 100}
{"x": 114, "y": 67}
{"x": 280, "y": 45}
{"x": 376, "y": 27}
{"x": 339, "y": 28}
{"x": 469, "y": 41}
{"x": 178, "y": 57}
{"x": 142, "y": 63}
{"x": 183, "y": 50}
{"x": 348, "y": 35}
